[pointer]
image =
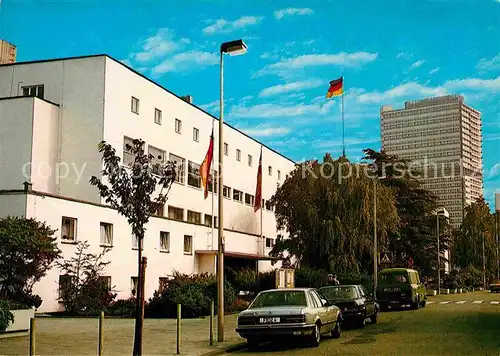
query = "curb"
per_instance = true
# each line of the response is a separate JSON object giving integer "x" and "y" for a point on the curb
{"x": 227, "y": 349}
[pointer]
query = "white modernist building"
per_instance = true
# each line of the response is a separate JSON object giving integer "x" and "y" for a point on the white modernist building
{"x": 52, "y": 115}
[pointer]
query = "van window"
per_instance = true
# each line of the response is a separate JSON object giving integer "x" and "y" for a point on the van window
{"x": 394, "y": 278}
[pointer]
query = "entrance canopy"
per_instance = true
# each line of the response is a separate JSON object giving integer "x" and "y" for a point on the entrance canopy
{"x": 249, "y": 256}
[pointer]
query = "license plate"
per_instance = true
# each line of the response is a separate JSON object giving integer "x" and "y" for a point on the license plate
{"x": 269, "y": 320}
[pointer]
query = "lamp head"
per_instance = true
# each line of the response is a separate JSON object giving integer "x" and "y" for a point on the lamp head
{"x": 234, "y": 48}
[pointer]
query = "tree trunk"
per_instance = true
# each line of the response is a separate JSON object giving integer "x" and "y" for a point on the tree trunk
{"x": 139, "y": 318}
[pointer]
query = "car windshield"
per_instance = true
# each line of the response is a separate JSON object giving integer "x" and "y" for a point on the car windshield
{"x": 279, "y": 298}
{"x": 340, "y": 292}
{"x": 393, "y": 278}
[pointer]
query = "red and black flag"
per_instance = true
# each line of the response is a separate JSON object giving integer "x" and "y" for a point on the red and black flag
{"x": 336, "y": 88}
{"x": 206, "y": 164}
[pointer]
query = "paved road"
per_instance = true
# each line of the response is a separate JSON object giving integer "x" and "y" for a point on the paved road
{"x": 465, "y": 324}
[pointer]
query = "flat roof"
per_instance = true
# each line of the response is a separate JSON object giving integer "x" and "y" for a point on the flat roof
{"x": 151, "y": 81}
{"x": 24, "y": 97}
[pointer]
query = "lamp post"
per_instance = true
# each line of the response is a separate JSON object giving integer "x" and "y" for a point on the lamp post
{"x": 232, "y": 48}
{"x": 445, "y": 213}
{"x": 375, "y": 238}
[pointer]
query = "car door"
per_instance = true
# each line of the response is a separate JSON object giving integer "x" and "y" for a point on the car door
{"x": 369, "y": 300}
{"x": 324, "y": 311}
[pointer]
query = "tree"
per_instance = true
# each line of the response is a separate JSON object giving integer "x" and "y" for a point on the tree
{"x": 27, "y": 251}
{"x": 416, "y": 237}
{"x": 84, "y": 291}
{"x": 477, "y": 226}
{"x": 130, "y": 191}
{"x": 328, "y": 214}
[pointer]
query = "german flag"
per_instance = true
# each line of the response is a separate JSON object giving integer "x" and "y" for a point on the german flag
{"x": 336, "y": 88}
{"x": 205, "y": 166}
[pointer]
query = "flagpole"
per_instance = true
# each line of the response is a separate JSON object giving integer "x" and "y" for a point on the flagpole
{"x": 213, "y": 187}
{"x": 261, "y": 207}
{"x": 343, "y": 133}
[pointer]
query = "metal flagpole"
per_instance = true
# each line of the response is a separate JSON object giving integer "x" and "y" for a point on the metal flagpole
{"x": 213, "y": 183}
{"x": 261, "y": 207}
{"x": 343, "y": 134}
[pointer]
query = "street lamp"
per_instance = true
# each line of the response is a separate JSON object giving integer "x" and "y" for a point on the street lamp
{"x": 232, "y": 48}
{"x": 443, "y": 212}
{"x": 375, "y": 239}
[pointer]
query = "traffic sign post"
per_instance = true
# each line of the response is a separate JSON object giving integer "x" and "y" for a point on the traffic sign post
{"x": 385, "y": 258}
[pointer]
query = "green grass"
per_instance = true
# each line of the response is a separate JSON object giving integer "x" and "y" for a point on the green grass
{"x": 67, "y": 336}
{"x": 450, "y": 329}
{"x": 485, "y": 296}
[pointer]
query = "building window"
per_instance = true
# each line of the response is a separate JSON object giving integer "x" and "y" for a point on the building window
{"x": 279, "y": 174}
{"x": 212, "y": 178}
{"x": 180, "y": 164}
{"x": 194, "y": 179}
{"x": 68, "y": 229}
{"x": 226, "y": 149}
{"x": 106, "y": 280}
{"x": 238, "y": 155}
{"x": 208, "y": 220}
{"x": 160, "y": 211}
{"x": 162, "y": 284}
{"x": 178, "y": 126}
{"x": 128, "y": 157}
{"x": 157, "y": 159}
{"x": 193, "y": 217}
{"x": 249, "y": 199}
{"x": 270, "y": 170}
{"x": 188, "y": 244}
{"x": 196, "y": 134}
{"x": 134, "y": 105}
{"x": 226, "y": 192}
{"x": 237, "y": 195}
{"x": 269, "y": 243}
{"x": 34, "y": 90}
{"x": 106, "y": 234}
{"x": 250, "y": 160}
{"x": 164, "y": 241}
{"x": 65, "y": 284}
{"x": 158, "y": 116}
{"x": 175, "y": 213}
{"x": 134, "y": 283}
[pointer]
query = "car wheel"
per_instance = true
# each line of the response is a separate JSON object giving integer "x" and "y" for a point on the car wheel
{"x": 374, "y": 318}
{"x": 337, "y": 331}
{"x": 423, "y": 304}
{"x": 362, "y": 322}
{"x": 316, "y": 335}
{"x": 416, "y": 305}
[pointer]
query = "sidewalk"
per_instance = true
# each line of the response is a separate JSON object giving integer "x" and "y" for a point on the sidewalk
{"x": 79, "y": 336}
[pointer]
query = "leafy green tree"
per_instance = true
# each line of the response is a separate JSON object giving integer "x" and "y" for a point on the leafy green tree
{"x": 84, "y": 291}
{"x": 131, "y": 191}
{"x": 416, "y": 237}
{"x": 27, "y": 251}
{"x": 327, "y": 210}
{"x": 477, "y": 227}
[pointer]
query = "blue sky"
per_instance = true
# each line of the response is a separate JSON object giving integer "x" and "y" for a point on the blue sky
{"x": 387, "y": 51}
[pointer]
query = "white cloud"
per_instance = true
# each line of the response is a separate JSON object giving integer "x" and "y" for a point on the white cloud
{"x": 489, "y": 64}
{"x": 126, "y": 62}
{"x": 210, "y": 106}
{"x": 434, "y": 71}
{"x": 266, "y": 131}
{"x": 157, "y": 46}
{"x": 494, "y": 171}
{"x": 474, "y": 84}
{"x": 349, "y": 141}
{"x": 186, "y": 60}
{"x": 400, "y": 91}
{"x": 290, "y": 87}
{"x": 226, "y": 26}
{"x": 279, "y": 110}
{"x": 417, "y": 64}
{"x": 291, "y": 11}
{"x": 404, "y": 55}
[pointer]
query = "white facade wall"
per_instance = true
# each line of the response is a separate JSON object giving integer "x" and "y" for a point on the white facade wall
{"x": 91, "y": 101}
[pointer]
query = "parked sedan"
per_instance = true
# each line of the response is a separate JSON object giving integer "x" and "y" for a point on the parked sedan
{"x": 278, "y": 313}
{"x": 495, "y": 286}
{"x": 355, "y": 302}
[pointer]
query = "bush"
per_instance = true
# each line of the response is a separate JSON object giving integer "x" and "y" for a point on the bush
{"x": 310, "y": 277}
{"x": 122, "y": 307}
{"x": 195, "y": 294}
{"x": 238, "y": 305}
{"x": 251, "y": 281}
{"x": 6, "y": 316}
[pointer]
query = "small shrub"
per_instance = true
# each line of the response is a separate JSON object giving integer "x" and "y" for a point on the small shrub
{"x": 238, "y": 305}
{"x": 122, "y": 307}
{"x": 6, "y": 316}
{"x": 310, "y": 278}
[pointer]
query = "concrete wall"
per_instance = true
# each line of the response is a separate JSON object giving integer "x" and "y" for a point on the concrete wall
{"x": 12, "y": 205}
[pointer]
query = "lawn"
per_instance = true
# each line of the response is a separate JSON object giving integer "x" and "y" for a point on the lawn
{"x": 78, "y": 336}
{"x": 438, "y": 329}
